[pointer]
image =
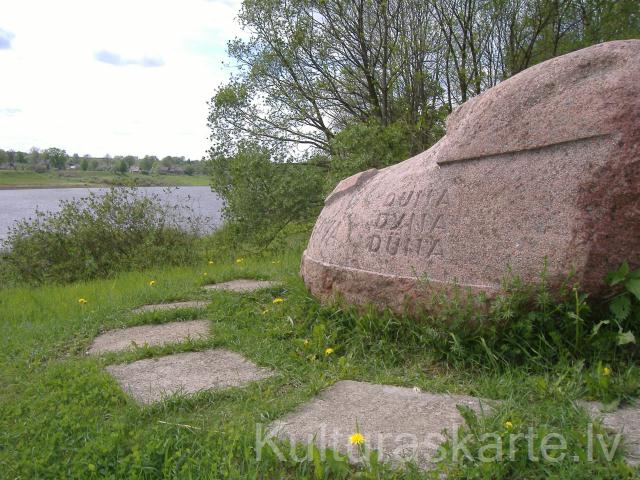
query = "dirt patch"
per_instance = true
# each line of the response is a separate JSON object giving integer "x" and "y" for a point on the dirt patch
{"x": 403, "y": 424}
{"x": 130, "y": 338}
{"x": 150, "y": 380}
{"x": 241, "y": 285}
{"x": 171, "y": 306}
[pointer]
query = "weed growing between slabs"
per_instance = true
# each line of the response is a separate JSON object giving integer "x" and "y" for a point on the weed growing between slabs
{"x": 62, "y": 415}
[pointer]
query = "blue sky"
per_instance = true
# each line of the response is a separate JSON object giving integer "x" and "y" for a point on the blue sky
{"x": 118, "y": 76}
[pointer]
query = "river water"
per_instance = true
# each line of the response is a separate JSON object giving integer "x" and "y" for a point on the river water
{"x": 22, "y": 203}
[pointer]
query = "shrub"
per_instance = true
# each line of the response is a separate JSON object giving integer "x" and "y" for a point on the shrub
{"x": 264, "y": 193}
{"x": 98, "y": 236}
{"x": 361, "y": 146}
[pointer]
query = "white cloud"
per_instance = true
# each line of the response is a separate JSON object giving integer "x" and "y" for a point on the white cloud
{"x": 75, "y": 74}
{"x": 113, "y": 58}
{"x": 5, "y": 39}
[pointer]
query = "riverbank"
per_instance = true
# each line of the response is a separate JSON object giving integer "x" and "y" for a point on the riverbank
{"x": 11, "y": 179}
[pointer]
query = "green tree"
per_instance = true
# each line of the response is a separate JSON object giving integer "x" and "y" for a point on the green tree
{"x": 146, "y": 164}
{"x": 11, "y": 158}
{"x": 34, "y": 156}
{"x": 361, "y": 146}
{"x": 131, "y": 160}
{"x": 121, "y": 166}
{"x": 263, "y": 192}
{"x": 56, "y": 157}
{"x": 84, "y": 164}
{"x": 310, "y": 68}
{"x": 168, "y": 162}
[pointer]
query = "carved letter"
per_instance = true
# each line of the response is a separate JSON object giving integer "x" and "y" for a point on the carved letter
{"x": 390, "y": 199}
{"x": 392, "y": 248}
{"x": 437, "y": 223}
{"x": 442, "y": 200}
{"x": 374, "y": 243}
{"x": 397, "y": 221}
{"x": 432, "y": 249}
{"x": 381, "y": 221}
{"x": 405, "y": 199}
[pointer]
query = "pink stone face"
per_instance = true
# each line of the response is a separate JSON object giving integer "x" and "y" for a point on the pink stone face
{"x": 543, "y": 168}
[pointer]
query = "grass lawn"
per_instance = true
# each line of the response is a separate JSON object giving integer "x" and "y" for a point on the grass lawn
{"x": 63, "y": 416}
{"x": 78, "y": 178}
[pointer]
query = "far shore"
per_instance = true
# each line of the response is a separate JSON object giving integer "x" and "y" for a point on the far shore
{"x": 20, "y": 180}
{"x": 90, "y": 185}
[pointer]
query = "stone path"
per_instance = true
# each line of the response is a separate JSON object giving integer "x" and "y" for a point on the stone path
{"x": 149, "y": 380}
{"x": 401, "y": 423}
{"x": 172, "y": 306}
{"x": 626, "y": 421}
{"x": 166, "y": 333}
{"x": 241, "y": 285}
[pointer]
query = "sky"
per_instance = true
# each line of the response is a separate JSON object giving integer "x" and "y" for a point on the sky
{"x": 117, "y": 77}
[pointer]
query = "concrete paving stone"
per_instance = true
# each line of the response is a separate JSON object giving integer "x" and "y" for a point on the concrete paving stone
{"x": 625, "y": 420}
{"x": 150, "y": 380}
{"x": 171, "y": 306}
{"x": 403, "y": 424}
{"x": 166, "y": 333}
{"x": 242, "y": 285}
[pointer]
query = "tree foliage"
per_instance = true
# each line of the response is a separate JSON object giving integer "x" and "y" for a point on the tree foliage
{"x": 263, "y": 192}
{"x": 56, "y": 157}
{"x": 310, "y": 68}
{"x": 354, "y": 84}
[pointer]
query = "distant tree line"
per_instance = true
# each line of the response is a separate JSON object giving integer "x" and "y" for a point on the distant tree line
{"x": 57, "y": 159}
{"x": 338, "y": 86}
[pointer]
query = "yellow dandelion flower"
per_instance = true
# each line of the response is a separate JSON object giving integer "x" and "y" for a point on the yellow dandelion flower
{"x": 204, "y": 274}
{"x": 82, "y": 301}
{"x": 210, "y": 262}
{"x": 508, "y": 425}
{"x": 152, "y": 283}
{"x": 239, "y": 260}
{"x": 356, "y": 439}
{"x": 606, "y": 371}
{"x": 328, "y": 351}
{"x": 306, "y": 342}
{"x": 278, "y": 300}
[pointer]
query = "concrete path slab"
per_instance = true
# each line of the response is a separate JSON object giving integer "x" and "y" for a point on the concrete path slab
{"x": 403, "y": 424}
{"x": 149, "y": 380}
{"x": 172, "y": 306}
{"x": 242, "y": 285}
{"x": 625, "y": 420}
{"x": 166, "y": 333}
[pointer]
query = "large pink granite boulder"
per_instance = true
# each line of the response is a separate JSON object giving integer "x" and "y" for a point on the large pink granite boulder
{"x": 543, "y": 167}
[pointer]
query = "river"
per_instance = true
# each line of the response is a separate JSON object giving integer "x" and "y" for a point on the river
{"x": 22, "y": 203}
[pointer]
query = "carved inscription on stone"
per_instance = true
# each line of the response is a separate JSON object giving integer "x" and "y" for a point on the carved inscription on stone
{"x": 410, "y": 223}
